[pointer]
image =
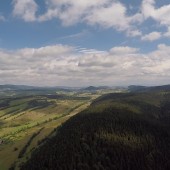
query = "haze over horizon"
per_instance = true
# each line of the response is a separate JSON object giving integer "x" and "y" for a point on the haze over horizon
{"x": 85, "y": 42}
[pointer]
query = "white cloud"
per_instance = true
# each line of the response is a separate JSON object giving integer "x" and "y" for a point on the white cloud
{"x": 106, "y": 13}
{"x": 123, "y": 50}
{"x": 134, "y": 33}
{"x": 160, "y": 62}
{"x": 90, "y": 51}
{"x": 48, "y": 51}
{"x": 71, "y": 11}
{"x": 25, "y": 9}
{"x": 152, "y": 36}
{"x": 167, "y": 34}
{"x": 65, "y": 65}
{"x": 160, "y": 14}
{"x": 108, "y": 16}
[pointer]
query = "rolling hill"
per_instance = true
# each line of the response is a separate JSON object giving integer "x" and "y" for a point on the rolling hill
{"x": 117, "y": 132}
{"x": 134, "y": 88}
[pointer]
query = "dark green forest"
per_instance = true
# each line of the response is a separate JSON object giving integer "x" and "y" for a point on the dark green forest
{"x": 123, "y": 131}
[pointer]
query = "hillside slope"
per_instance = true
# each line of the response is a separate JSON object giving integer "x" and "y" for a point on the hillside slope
{"x": 25, "y": 121}
{"x": 133, "y": 88}
{"x": 117, "y": 132}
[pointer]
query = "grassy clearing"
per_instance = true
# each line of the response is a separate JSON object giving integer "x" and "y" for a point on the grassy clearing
{"x": 21, "y": 120}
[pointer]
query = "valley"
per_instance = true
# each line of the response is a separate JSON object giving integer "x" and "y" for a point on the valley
{"x": 26, "y": 120}
{"x": 117, "y": 131}
{"x": 85, "y": 129}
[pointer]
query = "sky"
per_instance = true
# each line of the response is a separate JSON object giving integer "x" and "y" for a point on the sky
{"x": 85, "y": 42}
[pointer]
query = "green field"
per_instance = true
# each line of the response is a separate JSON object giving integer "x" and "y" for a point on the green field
{"x": 86, "y": 130}
{"x": 25, "y": 121}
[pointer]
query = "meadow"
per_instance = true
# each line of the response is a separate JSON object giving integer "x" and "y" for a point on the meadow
{"x": 27, "y": 120}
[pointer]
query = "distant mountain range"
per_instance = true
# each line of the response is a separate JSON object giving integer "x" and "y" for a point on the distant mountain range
{"x": 93, "y": 88}
{"x": 13, "y": 90}
{"x": 15, "y": 87}
{"x": 10, "y": 87}
{"x": 134, "y": 88}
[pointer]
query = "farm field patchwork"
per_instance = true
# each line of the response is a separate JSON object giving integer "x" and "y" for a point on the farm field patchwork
{"x": 25, "y": 121}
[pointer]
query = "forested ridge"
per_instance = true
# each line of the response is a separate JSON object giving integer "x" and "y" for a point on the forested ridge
{"x": 128, "y": 131}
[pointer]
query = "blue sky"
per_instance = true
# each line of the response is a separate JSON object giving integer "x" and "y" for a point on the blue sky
{"x": 81, "y": 43}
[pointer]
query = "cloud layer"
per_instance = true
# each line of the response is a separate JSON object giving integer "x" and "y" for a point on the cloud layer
{"x": 66, "y": 65}
{"x": 97, "y": 12}
{"x": 152, "y": 36}
{"x": 104, "y": 13}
